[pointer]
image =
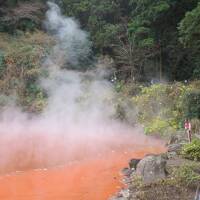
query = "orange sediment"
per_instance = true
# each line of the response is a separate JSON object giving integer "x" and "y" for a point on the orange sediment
{"x": 93, "y": 178}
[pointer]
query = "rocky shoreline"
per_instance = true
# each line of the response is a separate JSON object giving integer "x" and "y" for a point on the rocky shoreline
{"x": 160, "y": 177}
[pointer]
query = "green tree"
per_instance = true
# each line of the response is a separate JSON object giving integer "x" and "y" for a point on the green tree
{"x": 189, "y": 30}
{"x": 155, "y": 24}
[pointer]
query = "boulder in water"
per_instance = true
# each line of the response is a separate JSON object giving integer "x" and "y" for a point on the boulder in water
{"x": 152, "y": 168}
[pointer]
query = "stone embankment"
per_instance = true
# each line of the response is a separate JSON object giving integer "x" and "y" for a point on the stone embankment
{"x": 152, "y": 178}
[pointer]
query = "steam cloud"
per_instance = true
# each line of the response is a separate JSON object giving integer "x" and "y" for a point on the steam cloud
{"x": 73, "y": 44}
{"x": 78, "y": 120}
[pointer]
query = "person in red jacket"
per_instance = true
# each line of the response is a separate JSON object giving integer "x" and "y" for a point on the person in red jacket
{"x": 188, "y": 128}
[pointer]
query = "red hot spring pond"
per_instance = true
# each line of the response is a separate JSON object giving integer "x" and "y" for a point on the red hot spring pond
{"x": 33, "y": 169}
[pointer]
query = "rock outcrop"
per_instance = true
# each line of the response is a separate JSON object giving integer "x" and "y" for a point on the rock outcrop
{"x": 152, "y": 168}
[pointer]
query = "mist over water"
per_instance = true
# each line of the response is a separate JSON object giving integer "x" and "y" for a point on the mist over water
{"x": 78, "y": 121}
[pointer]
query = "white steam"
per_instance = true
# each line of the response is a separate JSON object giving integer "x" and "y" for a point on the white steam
{"x": 73, "y": 44}
{"x": 78, "y": 120}
{"x": 75, "y": 98}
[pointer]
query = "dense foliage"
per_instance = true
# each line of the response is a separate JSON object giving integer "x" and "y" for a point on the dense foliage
{"x": 192, "y": 150}
{"x": 186, "y": 174}
{"x": 20, "y": 67}
{"x": 162, "y": 108}
{"x": 146, "y": 38}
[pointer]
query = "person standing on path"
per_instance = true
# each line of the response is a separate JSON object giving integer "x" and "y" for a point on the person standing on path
{"x": 188, "y": 128}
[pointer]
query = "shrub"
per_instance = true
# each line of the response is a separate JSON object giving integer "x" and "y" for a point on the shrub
{"x": 21, "y": 58}
{"x": 26, "y": 16}
{"x": 160, "y": 107}
{"x": 192, "y": 150}
{"x": 187, "y": 174}
{"x": 157, "y": 125}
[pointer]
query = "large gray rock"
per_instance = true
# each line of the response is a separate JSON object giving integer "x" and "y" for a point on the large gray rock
{"x": 152, "y": 168}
